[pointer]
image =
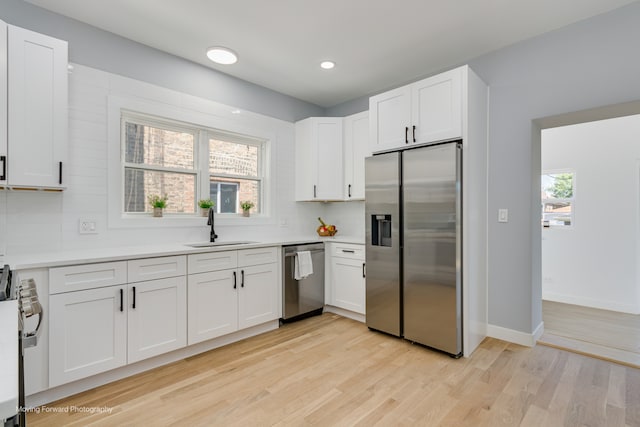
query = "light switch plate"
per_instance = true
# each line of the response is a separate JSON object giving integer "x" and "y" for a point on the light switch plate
{"x": 503, "y": 215}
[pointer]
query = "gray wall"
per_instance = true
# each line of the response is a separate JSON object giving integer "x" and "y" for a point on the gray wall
{"x": 586, "y": 65}
{"x": 106, "y": 51}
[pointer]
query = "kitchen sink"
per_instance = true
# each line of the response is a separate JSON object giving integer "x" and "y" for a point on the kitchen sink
{"x": 216, "y": 244}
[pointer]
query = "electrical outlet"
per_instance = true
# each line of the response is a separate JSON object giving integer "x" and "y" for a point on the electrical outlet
{"x": 87, "y": 226}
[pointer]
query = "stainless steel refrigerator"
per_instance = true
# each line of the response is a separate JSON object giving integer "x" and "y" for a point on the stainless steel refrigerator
{"x": 413, "y": 214}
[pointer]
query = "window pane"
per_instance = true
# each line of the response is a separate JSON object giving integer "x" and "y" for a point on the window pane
{"x": 158, "y": 147}
{"x": 557, "y": 213}
{"x": 557, "y": 185}
{"x": 179, "y": 187}
{"x": 230, "y": 158}
{"x": 229, "y": 193}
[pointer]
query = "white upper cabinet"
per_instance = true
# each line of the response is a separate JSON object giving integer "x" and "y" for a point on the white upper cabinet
{"x": 3, "y": 105}
{"x": 390, "y": 117}
{"x": 426, "y": 111}
{"x": 437, "y": 107}
{"x": 356, "y": 149}
{"x": 37, "y": 110}
{"x": 318, "y": 159}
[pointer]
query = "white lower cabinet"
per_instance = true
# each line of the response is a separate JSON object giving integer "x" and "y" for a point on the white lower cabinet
{"x": 87, "y": 333}
{"x": 157, "y": 317}
{"x": 258, "y": 295}
{"x": 213, "y": 305}
{"x": 347, "y": 275}
{"x": 222, "y": 301}
{"x": 96, "y": 330}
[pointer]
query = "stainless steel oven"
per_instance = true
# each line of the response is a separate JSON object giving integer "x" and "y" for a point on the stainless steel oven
{"x": 19, "y": 301}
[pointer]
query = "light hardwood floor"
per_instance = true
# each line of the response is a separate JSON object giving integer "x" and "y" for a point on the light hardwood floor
{"x": 329, "y": 370}
{"x": 607, "y": 334}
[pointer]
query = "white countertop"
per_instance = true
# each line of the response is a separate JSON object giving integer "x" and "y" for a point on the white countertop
{"x": 8, "y": 359}
{"x": 87, "y": 256}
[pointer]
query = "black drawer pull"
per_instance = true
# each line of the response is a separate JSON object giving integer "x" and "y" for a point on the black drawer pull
{"x": 349, "y": 251}
{"x": 60, "y": 173}
{"x": 364, "y": 273}
{"x": 242, "y": 278}
{"x": 134, "y": 298}
{"x": 3, "y": 159}
{"x": 406, "y": 134}
{"x": 121, "y": 299}
{"x": 235, "y": 286}
{"x": 414, "y": 133}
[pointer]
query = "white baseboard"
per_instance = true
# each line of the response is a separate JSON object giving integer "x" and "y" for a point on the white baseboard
{"x": 345, "y": 313}
{"x": 516, "y": 337}
{"x": 602, "y": 304}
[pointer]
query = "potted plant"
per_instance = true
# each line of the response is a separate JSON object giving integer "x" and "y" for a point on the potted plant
{"x": 205, "y": 205}
{"x": 246, "y": 206}
{"x": 158, "y": 203}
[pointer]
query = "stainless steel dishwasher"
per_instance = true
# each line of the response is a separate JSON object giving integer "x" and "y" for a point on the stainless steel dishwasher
{"x": 305, "y": 297}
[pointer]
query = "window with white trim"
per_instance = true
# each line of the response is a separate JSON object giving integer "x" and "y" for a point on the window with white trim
{"x": 186, "y": 164}
{"x": 557, "y": 198}
{"x": 235, "y": 172}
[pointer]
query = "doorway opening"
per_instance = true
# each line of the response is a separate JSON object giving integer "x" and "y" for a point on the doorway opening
{"x": 589, "y": 187}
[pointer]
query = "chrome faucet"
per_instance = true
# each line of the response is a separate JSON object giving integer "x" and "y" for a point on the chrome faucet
{"x": 211, "y": 221}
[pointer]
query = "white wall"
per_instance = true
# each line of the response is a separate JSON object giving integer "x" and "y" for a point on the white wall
{"x": 43, "y": 221}
{"x": 594, "y": 262}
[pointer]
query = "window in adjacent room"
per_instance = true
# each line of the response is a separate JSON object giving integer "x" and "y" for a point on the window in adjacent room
{"x": 558, "y": 189}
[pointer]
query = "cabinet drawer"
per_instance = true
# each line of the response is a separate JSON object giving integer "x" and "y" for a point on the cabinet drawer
{"x": 347, "y": 250}
{"x": 156, "y": 268}
{"x": 88, "y": 276}
{"x": 257, "y": 256}
{"x": 212, "y": 261}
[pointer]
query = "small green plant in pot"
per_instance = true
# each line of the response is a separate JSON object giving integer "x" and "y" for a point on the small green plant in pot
{"x": 158, "y": 203}
{"x": 205, "y": 205}
{"x": 246, "y": 207}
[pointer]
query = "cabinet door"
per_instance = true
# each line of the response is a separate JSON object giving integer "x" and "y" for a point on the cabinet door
{"x": 356, "y": 149}
{"x": 318, "y": 159}
{"x": 390, "y": 119}
{"x": 213, "y": 305}
{"x": 37, "y": 109}
{"x": 348, "y": 284}
{"x": 157, "y": 317}
{"x": 258, "y": 295}
{"x": 437, "y": 107}
{"x": 3, "y": 105}
{"x": 328, "y": 156}
{"x": 87, "y": 333}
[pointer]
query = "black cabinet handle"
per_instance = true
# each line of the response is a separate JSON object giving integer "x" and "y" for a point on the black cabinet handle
{"x": 134, "y": 298}
{"x": 242, "y": 278}
{"x": 314, "y": 192}
{"x": 121, "y": 299}
{"x": 60, "y": 173}
{"x": 349, "y": 190}
{"x": 349, "y": 251}
{"x": 414, "y": 133}
{"x": 406, "y": 134}
{"x": 364, "y": 273}
{"x": 235, "y": 286}
{"x": 3, "y": 159}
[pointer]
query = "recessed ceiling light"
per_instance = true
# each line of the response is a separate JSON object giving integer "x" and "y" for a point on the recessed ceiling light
{"x": 327, "y": 65}
{"x": 222, "y": 55}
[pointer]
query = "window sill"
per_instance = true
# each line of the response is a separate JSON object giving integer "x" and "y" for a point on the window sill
{"x": 168, "y": 220}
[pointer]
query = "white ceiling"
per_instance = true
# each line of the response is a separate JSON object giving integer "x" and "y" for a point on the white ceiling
{"x": 377, "y": 44}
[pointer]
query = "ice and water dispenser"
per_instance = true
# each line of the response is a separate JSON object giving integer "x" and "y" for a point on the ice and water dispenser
{"x": 380, "y": 230}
